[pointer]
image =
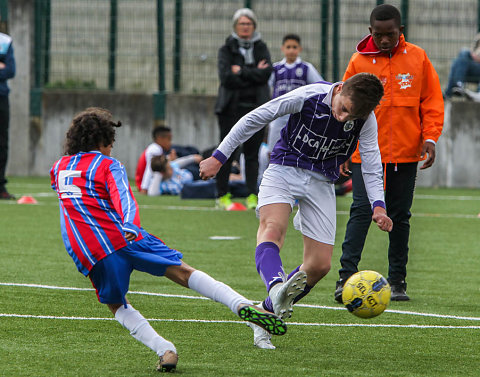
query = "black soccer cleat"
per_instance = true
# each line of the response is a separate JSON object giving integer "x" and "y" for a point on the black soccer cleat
{"x": 266, "y": 320}
{"x": 168, "y": 362}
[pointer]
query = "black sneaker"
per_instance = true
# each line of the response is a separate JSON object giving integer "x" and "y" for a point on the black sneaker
{"x": 339, "y": 290}
{"x": 5, "y": 195}
{"x": 399, "y": 292}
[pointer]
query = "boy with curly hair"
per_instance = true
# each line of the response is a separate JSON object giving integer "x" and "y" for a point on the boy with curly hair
{"x": 101, "y": 230}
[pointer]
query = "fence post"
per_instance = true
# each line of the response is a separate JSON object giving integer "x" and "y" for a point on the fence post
{"x": 478, "y": 16}
{"x": 325, "y": 16}
{"x": 4, "y": 16}
{"x": 159, "y": 98}
{"x": 112, "y": 44}
{"x": 36, "y": 91}
{"x": 336, "y": 39}
{"x": 177, "y": 57}
{"x": 404, "y": 6}
{"x": 46, "y": 14}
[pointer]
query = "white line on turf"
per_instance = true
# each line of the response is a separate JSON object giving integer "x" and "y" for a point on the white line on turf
{"x": 210, "y": 209}
{"x": 433, "y": 315}
{"x": 14, "y": 315}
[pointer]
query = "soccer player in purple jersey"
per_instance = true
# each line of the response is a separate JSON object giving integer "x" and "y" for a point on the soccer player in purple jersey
{"x": 326, "y": 122}
{"x": 100, "y": 226}
{"x": 288, "y": 74}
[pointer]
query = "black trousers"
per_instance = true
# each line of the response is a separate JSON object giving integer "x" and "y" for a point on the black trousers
{"x": 400, "y": 185}
{"x": 250, "y": 149}
{"x": 4, "y": 123}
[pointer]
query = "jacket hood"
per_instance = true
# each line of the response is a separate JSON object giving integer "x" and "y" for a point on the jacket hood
{"x": 368, "y": 47}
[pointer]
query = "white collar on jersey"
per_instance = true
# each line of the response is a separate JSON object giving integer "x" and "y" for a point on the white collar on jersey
{"x": 290, "y": 65}
{"x": 328, "y": 98}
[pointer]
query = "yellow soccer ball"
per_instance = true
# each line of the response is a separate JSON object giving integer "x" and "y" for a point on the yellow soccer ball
{"x": 366, "y": 294}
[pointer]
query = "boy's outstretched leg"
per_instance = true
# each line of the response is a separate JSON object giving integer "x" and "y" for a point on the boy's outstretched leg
{"x": 140, "y": 329}
{"x": 220, "y": 292}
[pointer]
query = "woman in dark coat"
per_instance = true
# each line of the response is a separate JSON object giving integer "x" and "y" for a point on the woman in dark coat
{"x": 244, "y": 67}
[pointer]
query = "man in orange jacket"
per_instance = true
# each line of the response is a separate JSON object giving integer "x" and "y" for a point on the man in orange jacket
{"x": 410, "y": 121}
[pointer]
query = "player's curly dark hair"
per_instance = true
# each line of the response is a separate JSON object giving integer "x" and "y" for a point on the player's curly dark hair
{"x": 90, "y": 129}
{"x": 365, "y": 91}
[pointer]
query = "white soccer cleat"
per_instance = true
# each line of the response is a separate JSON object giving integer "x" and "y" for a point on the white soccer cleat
{"x": 283, "y": 294}
{"x": 261, "y": 338}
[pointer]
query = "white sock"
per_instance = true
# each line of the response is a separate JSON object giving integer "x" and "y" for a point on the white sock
{"x": 141, "y": 330}
{"x": 207, "y": 286}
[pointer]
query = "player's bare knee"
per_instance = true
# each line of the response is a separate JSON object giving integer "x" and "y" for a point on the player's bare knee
{"x": 271, "y": 231}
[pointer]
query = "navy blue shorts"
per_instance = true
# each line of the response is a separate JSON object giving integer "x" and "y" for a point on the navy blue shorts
{"x": 111, "y": 275}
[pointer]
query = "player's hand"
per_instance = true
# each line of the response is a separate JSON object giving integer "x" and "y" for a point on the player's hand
{"x": 236, "y": 69}
{"x": 380, "y": 217}
{"x": 130, "y": 236}
{"x": 262, "y": 64}
{"x": 209, "y": 168}
{"x": 345, "y": 169}
{"x": 197, "y": 158}
{"x": 429, "y": 150}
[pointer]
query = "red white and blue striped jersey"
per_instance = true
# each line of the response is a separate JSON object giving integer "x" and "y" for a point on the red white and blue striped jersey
{"x": 97, "y": 206}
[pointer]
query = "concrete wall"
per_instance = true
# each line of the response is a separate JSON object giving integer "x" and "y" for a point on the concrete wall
{"x": 58, "y": 109}
{"x": 191, "y": 118}
{"x": 193, "y": 122}
{"x": 458, "y": 149}
{"x": 21, "y": 31}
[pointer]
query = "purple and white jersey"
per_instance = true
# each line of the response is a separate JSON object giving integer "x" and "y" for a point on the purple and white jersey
{"x": 313, "y": 139}
{"x": 286, "y": 77}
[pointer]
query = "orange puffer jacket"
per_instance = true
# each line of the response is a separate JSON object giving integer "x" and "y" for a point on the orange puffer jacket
{"x": 411, "y": 111}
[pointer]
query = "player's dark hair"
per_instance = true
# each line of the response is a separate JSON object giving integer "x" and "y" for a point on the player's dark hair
{"x": 159, "y": 163}
{"x": 385, "y": 12}
{"x": 90, "y": 129}
{"x": 160, "y": 131}
{"x": 365, "y": 91}
{"x": 291, "y": 36}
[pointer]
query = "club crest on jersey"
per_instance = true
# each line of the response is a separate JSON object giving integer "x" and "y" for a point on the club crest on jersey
{"x": 299, "y": 72}
{"x": 348, "y": 126}
{"x": 404, "y": 80}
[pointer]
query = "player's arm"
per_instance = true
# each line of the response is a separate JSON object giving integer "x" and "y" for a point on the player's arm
{"x": 7, "y": 71}
{"x": 228, "y": 78}
{"x": 261, "y": 72}
{"x": 312, "y": 74}
{"x": 248, "y": 125}
{"x": 431, "y": 112}
{"x": 122, "y": 199}
{"x": 372, "y": 173}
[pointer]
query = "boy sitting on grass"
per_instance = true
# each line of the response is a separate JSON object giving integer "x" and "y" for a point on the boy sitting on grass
{"x": 168, "y": 176}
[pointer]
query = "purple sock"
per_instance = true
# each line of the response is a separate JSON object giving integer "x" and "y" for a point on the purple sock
{"x": 269, "y": 264}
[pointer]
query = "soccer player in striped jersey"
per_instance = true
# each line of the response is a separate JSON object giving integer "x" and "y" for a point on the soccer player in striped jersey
{"x": 326, "y": 121}
{"x": 101, "y": 230}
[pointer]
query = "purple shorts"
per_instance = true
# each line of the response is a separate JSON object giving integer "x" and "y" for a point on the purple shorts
{"x": 111, "y": 275}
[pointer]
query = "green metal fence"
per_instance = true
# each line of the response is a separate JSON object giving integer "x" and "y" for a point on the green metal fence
{"x": 161, "y": 46}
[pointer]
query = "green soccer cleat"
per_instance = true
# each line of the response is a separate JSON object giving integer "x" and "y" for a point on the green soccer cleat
{"x": 266, "y": 320}
{"x": 251, "y": 201}
{"x": 225, "y": 201}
